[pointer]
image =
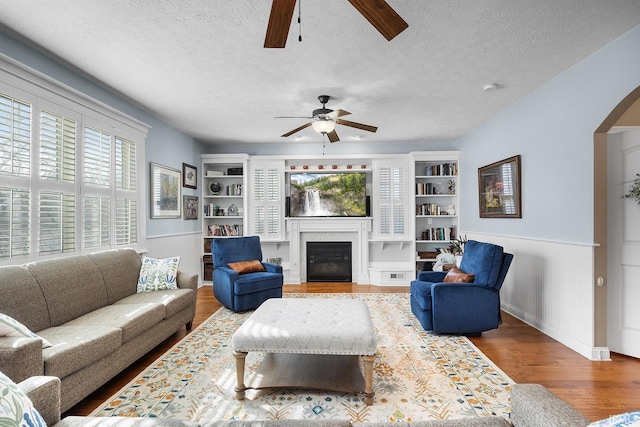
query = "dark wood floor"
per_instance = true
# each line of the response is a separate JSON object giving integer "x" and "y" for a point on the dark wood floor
{"x": 597, "y": 389}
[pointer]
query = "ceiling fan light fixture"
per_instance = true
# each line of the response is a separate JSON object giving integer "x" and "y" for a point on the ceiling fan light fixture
{"x": 324, "y": 125}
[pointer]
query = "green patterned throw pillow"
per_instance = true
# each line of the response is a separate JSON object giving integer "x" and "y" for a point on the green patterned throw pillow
{"x": 16, "y": 409}
{"x": 10, "y": 327}
{"x": 158, "y": 274}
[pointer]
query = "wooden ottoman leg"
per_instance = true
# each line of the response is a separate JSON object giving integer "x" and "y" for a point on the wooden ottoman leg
{"x": 368, "y": 379}
{"x": 240, "y": 388}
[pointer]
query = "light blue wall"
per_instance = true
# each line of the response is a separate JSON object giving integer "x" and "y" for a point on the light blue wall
{"x": 552, "y": 129}
{"x": 165, "y": 144}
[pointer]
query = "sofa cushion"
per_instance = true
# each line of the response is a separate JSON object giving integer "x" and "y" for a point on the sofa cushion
{"x": 16, "y": 406}
{"x": 10, "y": 327}
{"x": 22, "y": 298}
{"x": 120, "y": 269}
{"x": 72, "y": 286}
{"x": 133, "y": 319}
{"x": 74, "y": 347}
{"x": 158, "y": 274}
{"x": 174, "y": 301}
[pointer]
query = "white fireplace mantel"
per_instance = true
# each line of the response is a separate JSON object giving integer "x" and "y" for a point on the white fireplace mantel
{"x": 355, "y": 230}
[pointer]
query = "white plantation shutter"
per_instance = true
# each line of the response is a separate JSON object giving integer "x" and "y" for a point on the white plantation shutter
{"x": 58, "y": 137}
{"x": 273, "y": 202}
{"x": 259, "y": 191}
{"x": 391, "y": 221}
{"x": 384, "y": 201}
{"x": 126, "y": 222}
{"x": 267, "y": 193}
{"x": 126, "y": 212}
{"x": 15, "y": 137}
{"x": 97, "y": 222}
{"x": 399, "y": 186}
{"x": 125, "y": 164}
{"x": 57, "y": 223}
{"x": 15, "y": 222}
{"x": 97, "y": 157}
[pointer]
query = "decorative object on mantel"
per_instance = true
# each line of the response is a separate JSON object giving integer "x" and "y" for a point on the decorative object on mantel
{"x": 320, "y": 166}
{"x": 334, "y": 166}
{"x": 634, "y": 192}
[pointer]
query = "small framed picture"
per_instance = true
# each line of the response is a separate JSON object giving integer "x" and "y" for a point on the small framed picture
{"x": 499, "y": 189}
{"x": 190, "y": 206}
{"x": 165, "y": 192}
{"x": 189, "y": 176}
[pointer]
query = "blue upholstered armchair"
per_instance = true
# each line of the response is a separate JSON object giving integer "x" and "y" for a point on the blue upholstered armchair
{"x": 463, "y": 308}
{"x": 243, "y": 291}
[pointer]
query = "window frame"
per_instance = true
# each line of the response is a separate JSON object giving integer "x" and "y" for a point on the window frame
{"x": 46, "y": 94}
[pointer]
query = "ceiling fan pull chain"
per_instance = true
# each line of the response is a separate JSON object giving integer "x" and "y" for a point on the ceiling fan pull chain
{"x": 299, "y": 21}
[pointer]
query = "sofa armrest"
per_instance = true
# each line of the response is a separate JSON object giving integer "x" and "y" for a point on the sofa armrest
{"x": 21, "y": 357}
{"x": 187, "y": 281}
{"x": 44, "y": 392}
{"x": 533, "y": 405}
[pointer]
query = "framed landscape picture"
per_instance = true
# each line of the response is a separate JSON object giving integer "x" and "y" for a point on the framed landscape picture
{"x": 165, "y": 192}
{"x": 189, "y": 176}
{"x": 499, "y": 189}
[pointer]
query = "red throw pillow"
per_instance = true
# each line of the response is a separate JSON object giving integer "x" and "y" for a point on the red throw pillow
{"x": 247, "y": 266}
{"x": 455, "y": 275}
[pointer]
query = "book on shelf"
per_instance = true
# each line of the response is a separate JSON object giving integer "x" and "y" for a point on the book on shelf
{"x": 234, "y": 190}
{"x": 444, "y": 169}
{"x": 439, "y": 233}
{"x": 225, "y": 230}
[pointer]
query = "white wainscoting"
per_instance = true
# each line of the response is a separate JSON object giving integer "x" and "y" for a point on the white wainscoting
{"x": 188, "y": 246}
{"x": 550, "y": 287}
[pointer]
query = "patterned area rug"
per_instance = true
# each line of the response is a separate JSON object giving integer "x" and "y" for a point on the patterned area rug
{"x": 417, "y": 376}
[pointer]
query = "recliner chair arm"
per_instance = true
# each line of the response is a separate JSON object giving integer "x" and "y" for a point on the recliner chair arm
{"x": 464, "y": 308}
{"x": 431, "y": 276}
{"x": 272, "y": 268}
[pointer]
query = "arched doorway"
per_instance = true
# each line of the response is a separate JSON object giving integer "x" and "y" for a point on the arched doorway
{"x": 623, "y": 114}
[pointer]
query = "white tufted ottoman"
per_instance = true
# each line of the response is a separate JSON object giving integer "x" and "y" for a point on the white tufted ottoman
{"x": 310, "y": 343}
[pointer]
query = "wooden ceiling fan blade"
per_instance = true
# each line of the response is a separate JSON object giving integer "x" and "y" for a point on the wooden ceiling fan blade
{"x": 333, "y": 136}
{"x": 338, "y": 113}
{"x": 306, "y": 125}
{"x": 361, "y": 126}
{"x": 279, "y": 23}
{"x": 382, "y": 16}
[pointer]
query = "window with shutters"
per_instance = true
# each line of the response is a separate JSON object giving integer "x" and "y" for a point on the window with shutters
{"x": 68, "y": 170}
{"x": 267, "y": 193}
{"x": 391, "y": 201}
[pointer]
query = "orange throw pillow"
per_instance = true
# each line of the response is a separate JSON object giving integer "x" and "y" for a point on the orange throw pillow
{"x": 247, "y": 266}
{"x": 455, "y": 275}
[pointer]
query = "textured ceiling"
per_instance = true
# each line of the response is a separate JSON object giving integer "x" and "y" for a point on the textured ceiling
{"x": 200, "y": 66}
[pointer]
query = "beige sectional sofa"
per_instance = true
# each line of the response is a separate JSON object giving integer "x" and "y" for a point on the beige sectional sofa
{"x": 87, "y": 307}
{"x": 532, "y": 405}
